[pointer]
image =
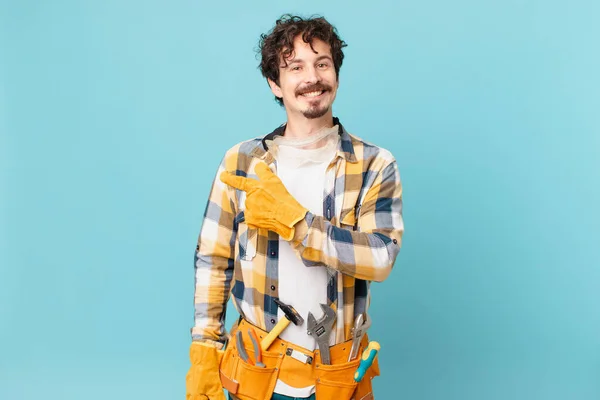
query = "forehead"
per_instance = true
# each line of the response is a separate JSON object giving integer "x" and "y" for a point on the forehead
{"x": 303, "y": 50}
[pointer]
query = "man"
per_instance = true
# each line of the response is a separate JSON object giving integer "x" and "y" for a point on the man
{"x": 298, "y": 221}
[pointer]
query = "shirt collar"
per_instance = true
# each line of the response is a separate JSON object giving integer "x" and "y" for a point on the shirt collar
{"x": 345, "y": 148}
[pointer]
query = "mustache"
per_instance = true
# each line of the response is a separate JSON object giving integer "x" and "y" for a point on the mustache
{"x": 312, "y": 88}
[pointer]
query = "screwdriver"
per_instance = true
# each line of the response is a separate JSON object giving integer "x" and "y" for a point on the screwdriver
{"x": 366, "y": 360}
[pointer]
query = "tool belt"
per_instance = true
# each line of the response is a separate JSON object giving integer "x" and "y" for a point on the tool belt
{"x": 296, "y": 366}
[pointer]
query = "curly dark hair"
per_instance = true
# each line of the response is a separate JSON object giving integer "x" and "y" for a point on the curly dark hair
{"x": 278, "y": 44}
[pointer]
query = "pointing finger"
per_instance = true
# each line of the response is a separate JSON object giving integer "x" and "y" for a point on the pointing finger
{"x": 238, "y": 182}
{"x": 263, "y": 171}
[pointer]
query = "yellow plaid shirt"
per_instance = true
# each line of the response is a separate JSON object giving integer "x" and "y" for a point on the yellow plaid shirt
{"x": 358, "y": 238}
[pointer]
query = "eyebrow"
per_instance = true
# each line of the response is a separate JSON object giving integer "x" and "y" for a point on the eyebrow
{"x": 301, "y": 61}
{"x": 324, "y": 56}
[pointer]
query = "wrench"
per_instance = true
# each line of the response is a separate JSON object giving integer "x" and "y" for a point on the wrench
{"x": 321, "y": 330}
{"x": 361, "y": 324}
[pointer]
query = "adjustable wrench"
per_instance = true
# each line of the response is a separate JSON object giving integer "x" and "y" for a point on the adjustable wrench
{"x": 321, "y": 330}
{"x": 361, "y": 324}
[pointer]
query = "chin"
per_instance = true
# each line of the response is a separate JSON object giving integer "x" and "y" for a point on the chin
{"x": 315, "y": 112}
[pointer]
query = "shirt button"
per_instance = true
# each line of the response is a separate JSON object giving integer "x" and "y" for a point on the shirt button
{"x": 273, "y": 253}
{"x": 272, "y": 320}
{"x": 272, "y": 287}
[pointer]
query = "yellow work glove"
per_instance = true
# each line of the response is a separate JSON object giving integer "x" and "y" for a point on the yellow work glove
{"x": 203, "y": 381}
{"x": 268, "y": 203}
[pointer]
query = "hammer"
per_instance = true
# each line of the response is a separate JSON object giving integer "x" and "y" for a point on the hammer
{"x": 291, "y": 315}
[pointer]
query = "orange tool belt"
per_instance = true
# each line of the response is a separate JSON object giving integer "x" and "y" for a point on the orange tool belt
{"x": 332, "y": 382}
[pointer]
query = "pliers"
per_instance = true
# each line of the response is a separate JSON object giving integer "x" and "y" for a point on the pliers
{"x": 242, "y": 350}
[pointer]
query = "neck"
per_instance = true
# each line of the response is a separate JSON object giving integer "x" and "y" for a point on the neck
{"x": 300, "y": 127}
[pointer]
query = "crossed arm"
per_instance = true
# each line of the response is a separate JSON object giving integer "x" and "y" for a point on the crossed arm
{"x": 367, "y": 253}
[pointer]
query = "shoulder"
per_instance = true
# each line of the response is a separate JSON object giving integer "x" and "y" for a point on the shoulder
{"x": 370, "y": 154}
{"x": 239, "y": 156}
{"x": 246, "y": 147}
{"x": 378, "y": 163}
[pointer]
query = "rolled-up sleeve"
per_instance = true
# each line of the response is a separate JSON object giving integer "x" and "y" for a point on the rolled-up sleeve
{"x": 369, "y": 252}
{"x": 214, "y": 263}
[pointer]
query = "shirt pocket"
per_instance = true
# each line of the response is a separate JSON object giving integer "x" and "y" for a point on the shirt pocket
{"x": 348, "y": 219}
{"x": 247, "y": 239}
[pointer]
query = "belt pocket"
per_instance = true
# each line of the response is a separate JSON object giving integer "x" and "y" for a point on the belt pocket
{"x": 247, "y": 381}
{"x": 364, "y": 390}
{"x": 336, "y": 382}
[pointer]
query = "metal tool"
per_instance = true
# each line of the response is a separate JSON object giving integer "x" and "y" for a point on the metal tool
{"x": 356, "y": 337}
{"x": 257, "y": 351}
{"x": 291, "y": 315}
{"x": 321, "y": 330}
{"x": 241, "y": 349}
{"x": 361, "y": 324}
{"x": 366, "y": 360}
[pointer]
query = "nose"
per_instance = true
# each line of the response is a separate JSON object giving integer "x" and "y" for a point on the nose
{"x": 312, "y": 75}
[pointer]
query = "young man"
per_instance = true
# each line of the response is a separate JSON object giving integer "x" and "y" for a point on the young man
{"x": 298, "y": 223}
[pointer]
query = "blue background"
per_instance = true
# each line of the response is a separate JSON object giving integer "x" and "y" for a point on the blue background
{"x": 115, "y": 114}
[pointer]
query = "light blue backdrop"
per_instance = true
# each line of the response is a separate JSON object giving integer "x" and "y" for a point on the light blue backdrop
{"x": 115, "y": 114}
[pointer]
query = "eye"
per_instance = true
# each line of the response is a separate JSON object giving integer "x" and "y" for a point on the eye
{"x": 296, "y": 68}
{"x": 323, "y": 65}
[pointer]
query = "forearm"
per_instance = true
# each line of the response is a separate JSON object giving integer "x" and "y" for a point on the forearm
{"x": 213, "y": 265}
{"x": 213, "y": 277}
{"x": 368, "y": 256}
{"x": 368, "y": 249}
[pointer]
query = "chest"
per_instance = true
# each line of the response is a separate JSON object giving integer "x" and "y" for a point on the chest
{"x": 306, "y": 183}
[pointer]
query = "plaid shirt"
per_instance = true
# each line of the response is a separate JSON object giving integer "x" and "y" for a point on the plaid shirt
{"x": 358, "y": 238}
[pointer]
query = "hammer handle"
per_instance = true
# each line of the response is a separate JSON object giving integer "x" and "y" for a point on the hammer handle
{"x": 281, "y": 325}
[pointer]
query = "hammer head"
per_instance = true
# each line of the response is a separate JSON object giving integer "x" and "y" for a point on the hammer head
{"x": 290, "y": 313}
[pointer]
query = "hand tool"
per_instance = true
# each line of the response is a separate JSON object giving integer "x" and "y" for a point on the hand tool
{"x": 361, "y": 324}
{"x": 291, "y": 315}
{"x": 241, "y": 349}
{"x": 321, "y": 330}
{"x": 257, "y": 351}
{"x": 366, "y": 360}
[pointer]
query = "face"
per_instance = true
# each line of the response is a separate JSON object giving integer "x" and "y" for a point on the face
{"x": 308, "y": 83}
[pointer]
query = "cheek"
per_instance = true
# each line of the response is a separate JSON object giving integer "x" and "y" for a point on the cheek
{"x": 334, "y": 86}
{"x": 333, "y": 80}
{"x": 287, "y": 87}
{"x": 290, "y": 88}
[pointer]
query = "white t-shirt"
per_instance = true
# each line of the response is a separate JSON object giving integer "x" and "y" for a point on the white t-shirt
{"x": 302, "y": 171}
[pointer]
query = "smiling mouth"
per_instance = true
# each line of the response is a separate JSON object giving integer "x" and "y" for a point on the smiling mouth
{"x": 313, "y": 94}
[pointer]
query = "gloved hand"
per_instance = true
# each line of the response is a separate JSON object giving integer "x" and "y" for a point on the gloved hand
{"x": 203, "y": 381}
{"x": 268, "y": 203}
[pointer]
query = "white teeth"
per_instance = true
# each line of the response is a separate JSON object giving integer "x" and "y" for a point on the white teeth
{"x": 312, "y": 94}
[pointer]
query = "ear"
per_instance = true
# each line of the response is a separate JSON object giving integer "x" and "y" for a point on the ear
{"x": 275, "y": 89}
